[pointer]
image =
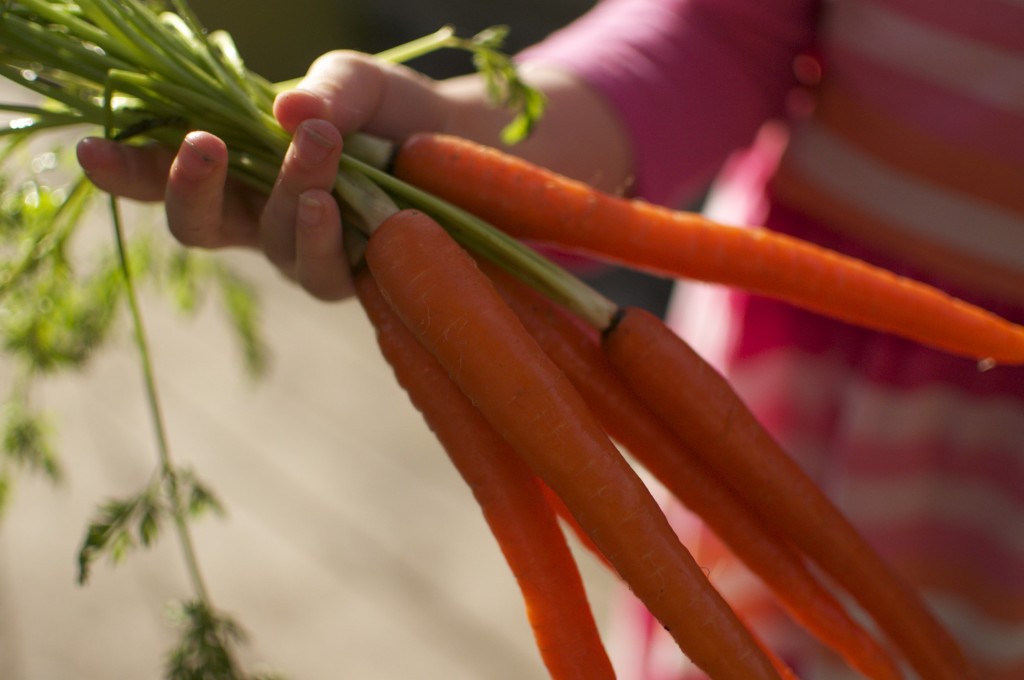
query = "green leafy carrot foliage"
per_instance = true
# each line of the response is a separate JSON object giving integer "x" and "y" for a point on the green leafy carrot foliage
{"x": 204, "y": 650}
{"x": 143, "y": 71}
{"x": 124, "y": 524}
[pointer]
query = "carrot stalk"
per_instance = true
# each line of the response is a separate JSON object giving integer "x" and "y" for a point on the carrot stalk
{"x": 453, "y": 309}
{"x": 576, "y": 350}
{"x": 702, "y": 409}
{"x": 509, "y": 495}
{"x": 535, "y": 204}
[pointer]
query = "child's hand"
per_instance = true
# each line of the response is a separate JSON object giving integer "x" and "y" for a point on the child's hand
{"x": 297, "y": 226}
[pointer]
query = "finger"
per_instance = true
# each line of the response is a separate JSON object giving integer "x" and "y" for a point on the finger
{"x": 310, "y": 163}
{"x": 195, "y": 194}
{"x": 355, "y": 91}
{"x": 295, "y": 106}
{"x": 135, "y": 172}
{"x": 321, "y": 266}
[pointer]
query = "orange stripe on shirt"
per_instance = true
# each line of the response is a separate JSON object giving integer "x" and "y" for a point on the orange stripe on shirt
{"x": 912, "y": 150}
{"x": 794, "y": 189}
{"x": 973, "y": 68}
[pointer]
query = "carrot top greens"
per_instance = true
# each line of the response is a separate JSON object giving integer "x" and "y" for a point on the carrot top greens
{"x": 143, "y": 74}
{"x": 143, "y": 71}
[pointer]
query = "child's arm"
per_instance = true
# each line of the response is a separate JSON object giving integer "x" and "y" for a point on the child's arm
{"x": 580, "y": 134}
{"x": 297, "y": 226}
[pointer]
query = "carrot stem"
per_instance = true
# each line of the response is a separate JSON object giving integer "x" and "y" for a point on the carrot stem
{"x": 497, "y": 247}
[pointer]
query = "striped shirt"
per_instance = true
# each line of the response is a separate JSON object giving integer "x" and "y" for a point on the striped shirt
{"x": 917, "y": 142}
{"x": 908, "y": 151}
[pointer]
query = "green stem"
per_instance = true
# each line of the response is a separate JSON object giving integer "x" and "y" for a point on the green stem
{"x": 178, "y": 74}
{"x": 71, "y": 100}
{"x": 183, "y": 60}
{"x": 439, "y": 39}
{"x": 370, "y": 204}
{"x": 260, "y": 94}
{"x": 153, "y": 401}
{"x": 111, "y": 19}
{"x": 35, "y": 41}
{"x": 175, "y": 100}
{"x": 74, "y": 25}
{"x": 194, "y": 48}
{"x": 37, "y": 111}
{"x": 156, "y": 414}
{"x": 372, "y": 150}
{"x": 498, "y": 247}
{"x": 50, "y": 122}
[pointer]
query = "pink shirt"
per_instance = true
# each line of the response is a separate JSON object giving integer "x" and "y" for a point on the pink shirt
{"x": 914, "y": 147}
{"x": 692, "y": 80}
{"x": 917, "y": 140}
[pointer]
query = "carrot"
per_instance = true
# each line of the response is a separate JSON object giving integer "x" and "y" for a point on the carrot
{"x": 576, "y": 350}
{"x": 703, "y": 410}
{"x": 532, "y": 203}
{"x": 509, "y": 495}
{"x": 562, "y": 512}
{"x": 454, "y": 310}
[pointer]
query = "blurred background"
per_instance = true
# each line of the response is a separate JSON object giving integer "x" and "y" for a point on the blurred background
{"x": 350, "y": 548}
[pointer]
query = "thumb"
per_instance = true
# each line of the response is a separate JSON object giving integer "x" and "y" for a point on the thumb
{"x": 357, "y": 91}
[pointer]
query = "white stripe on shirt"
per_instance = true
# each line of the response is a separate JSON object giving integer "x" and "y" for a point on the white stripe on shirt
{"x": 975, "y": 69}
{"x": 900, "y": 199}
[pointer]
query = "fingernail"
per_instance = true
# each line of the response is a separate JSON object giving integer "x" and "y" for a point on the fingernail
{"x": 313, "y": 147}
{"x": 196, "y": 163}
{"x": 85, "y": 152}
{"x": 309, "y": 212}
{"x": 197, "y": 151}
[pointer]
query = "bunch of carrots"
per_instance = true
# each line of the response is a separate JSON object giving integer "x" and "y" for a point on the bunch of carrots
{"x": 530, "y": 379}
{"x": 536, "y": 395}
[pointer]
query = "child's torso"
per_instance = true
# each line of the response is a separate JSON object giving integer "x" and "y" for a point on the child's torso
{"x": 916, "y": 142}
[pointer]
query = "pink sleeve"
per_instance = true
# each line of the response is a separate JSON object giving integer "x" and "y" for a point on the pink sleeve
{"x": 693, "y": 80}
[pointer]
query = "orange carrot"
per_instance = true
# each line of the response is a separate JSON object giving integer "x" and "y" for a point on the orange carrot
{"x": 704, "y": 411}
{"x": 509, "y": 495}
{"x": 454, "y": 310}
{"x": 532, "y": 203}
{"x": 562, "y": 512}
{"x": 576, "y": 350}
